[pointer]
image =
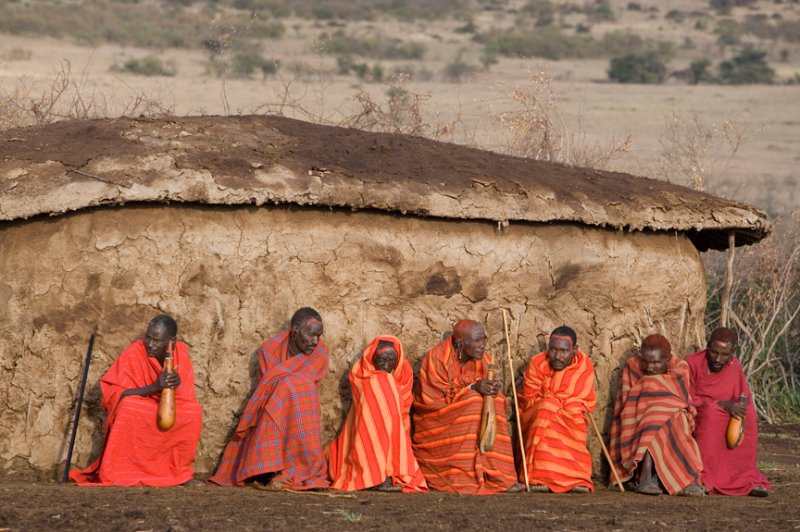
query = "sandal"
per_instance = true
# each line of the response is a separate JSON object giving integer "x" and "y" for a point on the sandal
{"x": 538, "y": 488}
{"x": 649, "y": 488}
{"x": 694, "y": 490}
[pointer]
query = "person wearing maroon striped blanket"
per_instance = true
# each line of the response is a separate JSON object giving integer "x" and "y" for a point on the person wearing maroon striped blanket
{"x": 277, "y": 443}
{"x": 651, "y": 432}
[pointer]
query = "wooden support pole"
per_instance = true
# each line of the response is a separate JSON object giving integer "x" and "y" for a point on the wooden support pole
{"x": 725, "y": 300}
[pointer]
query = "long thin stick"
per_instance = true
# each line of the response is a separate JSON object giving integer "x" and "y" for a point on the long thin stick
{"x": 65, "y": 478}
{"x": 605, "y": 450}
{"x": 516, "y": 405}
{"x": 725, "y": 299}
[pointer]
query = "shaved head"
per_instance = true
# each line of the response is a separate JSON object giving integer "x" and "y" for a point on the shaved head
{"x": 724, "y": 335}
{"x": 464, "y": 328}
{"x": 656, "y": 341}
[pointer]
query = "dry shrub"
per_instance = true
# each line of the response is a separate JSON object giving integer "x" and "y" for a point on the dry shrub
{"x": 65, "y": 98}
{"x": 765, "y": 310}
{"x": 695, "y": 154}
{"x": 401, "y": 112}
{"x": 537, "y": 130}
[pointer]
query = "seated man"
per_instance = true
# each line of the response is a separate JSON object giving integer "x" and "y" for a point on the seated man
{"x": 558, "y": 390}
{"x": 373, "y": 448}
{"x": 136, "y": 451}
{"x": 653, "y": 422}
{"x": 717, "y": 384}
{"x": 277, "y": 441}
{"x": 447, "y": 413}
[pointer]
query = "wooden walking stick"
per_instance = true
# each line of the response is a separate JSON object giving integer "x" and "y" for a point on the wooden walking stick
{"x": 516, "y": 404}
{"x": 81, "y": 391}
{"x": 488, "y": 428}
{"x": 605, "y": 450}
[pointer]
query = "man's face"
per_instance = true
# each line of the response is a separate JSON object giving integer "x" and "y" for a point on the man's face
{"x": 306, "y": 336}
{"x": 560, "y": 353}
{"x": 719, "y": 355}
{"x": 156, "y": 341}
{"x": 473, "y": 344}
{"x": 385, "y": 360}
{"x": 652, "y": 361}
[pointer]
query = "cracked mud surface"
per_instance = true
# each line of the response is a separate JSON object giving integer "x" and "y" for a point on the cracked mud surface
{"x": 232, "y": 277}
{"x": 45, "y": 506}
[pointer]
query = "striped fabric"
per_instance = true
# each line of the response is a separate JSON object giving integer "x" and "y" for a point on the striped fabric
{"x": 552, "y": 406}
{"x": 654, "y": 413}
{"x": 446, "y": 421}
{"x": 279, "y": 430}
{"x": 136, "y": 452}
{"x": 725, "y": 471}
{"x": 375, "y": 441}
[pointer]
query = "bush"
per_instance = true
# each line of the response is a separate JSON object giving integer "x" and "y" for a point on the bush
{"x": 340, "y": 43}
{"x": 676, "y": 15}
{"x": 457, "y": 70}
{"x": 647, "y": 67}
{"x": 267, "y": 30}
{"x": 548, "y": 43}
{"x": 698, "y": 72}
{"x": 149, "y": 65}
{"x": 749, "y": 67}
{"x": 730, "y": 32}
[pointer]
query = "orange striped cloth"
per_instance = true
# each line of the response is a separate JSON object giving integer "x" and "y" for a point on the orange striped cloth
{"x": 654, "y": 413}
{"x": 375, "y": 441}
{"x": 136, "y": 452}
{"x": 446, "y": 422}
{"x": 552, "y": 406}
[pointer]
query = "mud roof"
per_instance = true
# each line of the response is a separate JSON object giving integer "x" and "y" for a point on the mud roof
{"x": 260, "y": 160}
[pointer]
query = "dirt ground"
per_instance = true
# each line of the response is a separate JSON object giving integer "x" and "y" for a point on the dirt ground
{"x": 40, "y": 505}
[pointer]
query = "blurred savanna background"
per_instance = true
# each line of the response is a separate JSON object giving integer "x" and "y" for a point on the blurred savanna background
{"x": 705, "y": 93}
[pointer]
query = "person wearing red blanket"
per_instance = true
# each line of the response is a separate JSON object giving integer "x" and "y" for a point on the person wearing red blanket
{"x": 136, "y": 451}
{"x": 717, "y": 383}
{"x": 447, "y": 413}
{"x": 651, "y": 432}
{"x": 278, "y": 442}
{"x": 373, "y": 448}
{"x": 557, "y": 392}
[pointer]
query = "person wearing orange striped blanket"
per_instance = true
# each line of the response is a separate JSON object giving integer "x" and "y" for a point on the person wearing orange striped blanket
{"x": 651, "y": 432}
{"x": 373, "y": 449}
{"x": 557, "y": 392}
{"x": 448, "y": 406}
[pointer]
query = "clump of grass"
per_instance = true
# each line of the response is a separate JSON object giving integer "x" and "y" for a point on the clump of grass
{"x": 17, "y": 54}
{"x": 350, "y": 517}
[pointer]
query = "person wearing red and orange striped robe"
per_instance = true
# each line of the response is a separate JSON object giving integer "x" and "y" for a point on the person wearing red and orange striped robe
{"x": 278, "y": 441}
{"x": 373, "y": 448}
{"x": 651, "y": 433}
{"x": 447, "y": 414}
{"x": 136, "y": 451}
{"x": 557, "y": 392}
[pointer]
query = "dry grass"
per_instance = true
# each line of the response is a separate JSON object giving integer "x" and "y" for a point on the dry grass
{"x": 68, "y": 98}
{"x": 765, "y": 309}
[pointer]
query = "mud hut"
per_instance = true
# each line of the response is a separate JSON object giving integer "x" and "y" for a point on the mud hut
{"x": 229, "y": 224}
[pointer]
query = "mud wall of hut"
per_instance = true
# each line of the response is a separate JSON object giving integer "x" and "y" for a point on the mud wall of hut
{"x": 233, "y": 276}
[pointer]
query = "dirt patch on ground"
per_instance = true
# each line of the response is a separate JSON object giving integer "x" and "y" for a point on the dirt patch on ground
{"x": 40, "y": 506}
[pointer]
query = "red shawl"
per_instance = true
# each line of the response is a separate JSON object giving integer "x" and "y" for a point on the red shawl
{"x": 136, "y": 452}
{"x": 552, "y": 406}
{"x": 279, "y": 430}
{"x": 446, "y": 423}
{"x": 375, "y": 441}
{"x": 725, "y": 471}
{"x": 654, "y": 413}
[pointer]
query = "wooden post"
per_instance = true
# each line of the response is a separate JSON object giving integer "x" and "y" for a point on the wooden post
{"x": 725, "y": 301}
